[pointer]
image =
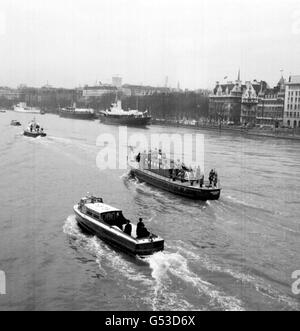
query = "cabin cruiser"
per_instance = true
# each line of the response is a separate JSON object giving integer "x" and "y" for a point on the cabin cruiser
{"x": 15, "y": 123}
{"x": 34, "y": 130}
{"x": 155, "y": 169}
{"x": 116, "y": 115}
{"x": 108, "y": 222}
{"x": 23, "y": 108}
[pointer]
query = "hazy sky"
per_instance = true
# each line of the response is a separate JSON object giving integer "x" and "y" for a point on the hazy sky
{"x": 196, "y": 42}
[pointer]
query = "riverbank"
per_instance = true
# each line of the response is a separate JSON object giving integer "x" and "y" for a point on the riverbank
{"x": 269, "y": 132}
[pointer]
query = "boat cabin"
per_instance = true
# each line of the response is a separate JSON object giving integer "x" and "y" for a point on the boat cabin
{"x": 95, "y": 208}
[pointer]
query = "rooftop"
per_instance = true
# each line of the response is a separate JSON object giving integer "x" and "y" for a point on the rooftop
{"x": 294, "y": 79}
{"x": 101, "y": 207}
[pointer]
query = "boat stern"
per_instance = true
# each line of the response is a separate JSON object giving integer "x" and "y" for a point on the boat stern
{"x": 149, "y": 246}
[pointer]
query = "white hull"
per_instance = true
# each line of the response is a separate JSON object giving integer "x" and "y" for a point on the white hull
{"x": 117, "y": 237}
{"x": 28, "y": 111}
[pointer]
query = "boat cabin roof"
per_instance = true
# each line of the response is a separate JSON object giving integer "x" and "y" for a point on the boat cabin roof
{"x": 101, "y": 208}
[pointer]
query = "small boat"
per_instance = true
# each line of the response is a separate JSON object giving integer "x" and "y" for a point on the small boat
{"x": 34, "y": 130}
{"x": 108, "y": 222}
{"x": 116, "y": 115}
{"x": 15, "y": 123}
{"x": 173, "y": 179}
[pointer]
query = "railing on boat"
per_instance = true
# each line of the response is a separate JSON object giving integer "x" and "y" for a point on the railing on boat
{"x": 179, "y": 180}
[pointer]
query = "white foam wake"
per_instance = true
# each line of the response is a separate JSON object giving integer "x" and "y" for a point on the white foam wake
{"x": 258, "y": 283}
{"x": 164, "y": 265}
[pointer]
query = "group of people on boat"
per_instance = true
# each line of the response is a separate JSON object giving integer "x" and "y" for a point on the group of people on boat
{"x": 141, "y": 230}
{"x": 213, "y": 178}
{"x": 176, "y": 170}
{"x": 186, "y": 174}
{"x": 35, "y": 127}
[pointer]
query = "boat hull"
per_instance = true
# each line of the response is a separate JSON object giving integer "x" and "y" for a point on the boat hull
{"x": 34, "y": 134}
{"x": 116, "y": 237}
{"x": 79, "y": 116}
{"x": 125, "y": 120}
{"x": 26, "y": 111}
{"x": 191, "y": 192}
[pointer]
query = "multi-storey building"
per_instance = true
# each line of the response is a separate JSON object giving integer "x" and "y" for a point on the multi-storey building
{"x": 249, "y": 105}
{"x": 271, "y": 105}
{"x": 9, "y": 94}
{"x": 225, "y": 103}
{"x": 98, "y": 90}
{"x": 291, "y": 115}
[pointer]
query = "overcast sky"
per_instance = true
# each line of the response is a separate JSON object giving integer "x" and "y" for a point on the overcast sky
{"x": 196, "y": 42}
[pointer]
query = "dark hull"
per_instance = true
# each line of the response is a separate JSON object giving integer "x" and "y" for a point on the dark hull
{"x": 191, "y": 192}
{"x": 77, "y": 116}
{"x": 34, "y": 134}
{"x": 125, "y": 120}
{"x": 131, "y": 247}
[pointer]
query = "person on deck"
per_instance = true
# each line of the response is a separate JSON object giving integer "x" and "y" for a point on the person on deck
{"x": 144, "y": 233}
{"x": 138, "y": 158}
{"x": 201, "y": 180}
{"x": 141, "y": 230}
{"x": 198, "y": 173}
{"x": 128, "y": 228}
{"x": 187, "y": 176}
{"x": 215, "y": 178}
{"x": 139, "y": 227}
{"x": 192, "y": 175}
{"x": 211, "y": 177}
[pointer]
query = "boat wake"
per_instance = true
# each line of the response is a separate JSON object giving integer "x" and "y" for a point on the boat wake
{"x": 245, "y": 279}
{"x": 160, "y": 280}
{"x": 168, "y": 280}
{"x": 229, "y": 205}
{"x": 169, "y": 269}
{"x": 110, "y": 261}
{"x": 141, "y": 187}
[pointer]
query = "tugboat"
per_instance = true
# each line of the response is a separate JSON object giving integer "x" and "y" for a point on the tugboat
{"x": 108, "y": 224}
{"x": 116, "y": 115}
{"x": 15, "y": 123}
{"x": 34, "y": 130}
{"x": 175, "y": 178}
{"x": 77, "y": 113}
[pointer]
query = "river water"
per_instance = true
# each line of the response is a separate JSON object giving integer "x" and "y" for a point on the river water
{"x": 237, "y": 253}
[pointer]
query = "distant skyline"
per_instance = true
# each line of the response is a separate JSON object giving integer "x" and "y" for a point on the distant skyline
{"x": 196, "y": 42}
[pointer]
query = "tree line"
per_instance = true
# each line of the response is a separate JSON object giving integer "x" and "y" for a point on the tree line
{"x": 168, "y": 106}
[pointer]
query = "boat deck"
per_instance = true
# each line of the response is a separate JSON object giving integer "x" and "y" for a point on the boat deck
{"x": 116, "y": 229}
{"x": 186, "y": 183}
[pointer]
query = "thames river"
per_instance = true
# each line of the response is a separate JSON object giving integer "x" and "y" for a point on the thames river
{"x": 237, "y": 253}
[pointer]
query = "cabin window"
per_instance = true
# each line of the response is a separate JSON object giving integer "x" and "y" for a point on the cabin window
{"x": 108, "y": 218}
{"x": 92, "y": 214}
